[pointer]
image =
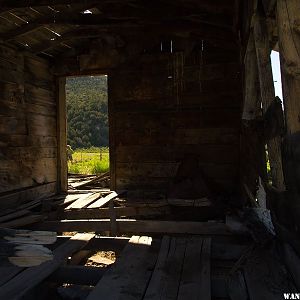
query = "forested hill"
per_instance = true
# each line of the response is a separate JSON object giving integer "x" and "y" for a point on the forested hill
{"x": 87, "y": 111}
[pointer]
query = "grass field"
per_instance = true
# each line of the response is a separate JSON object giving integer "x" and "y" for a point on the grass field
{"x": 87, "y": 161}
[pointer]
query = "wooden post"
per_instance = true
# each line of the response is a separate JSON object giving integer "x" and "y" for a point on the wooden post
{"x": 113, "y": 219}
{"x": 267, "y": 94}
{"x": 251, "y": 108}
{"x": 288, "y": 23}
{"x": 62, "y": 165}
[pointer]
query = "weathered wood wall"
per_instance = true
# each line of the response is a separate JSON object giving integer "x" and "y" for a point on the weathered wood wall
{"x": 165, "y": 107}
{"x": 28, "y": 146}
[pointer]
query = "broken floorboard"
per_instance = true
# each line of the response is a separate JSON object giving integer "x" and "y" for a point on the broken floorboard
{"x": 185, "y": 267}
{"x": 130, "y": 276}
{"x": 30, "y": 277}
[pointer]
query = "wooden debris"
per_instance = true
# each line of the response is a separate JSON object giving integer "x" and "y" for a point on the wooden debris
{"x": 23, "y": 248}
{"x": 29, "y": 278}
{"x": 84, "y": 200}
{"x": 25, "y": 255}
{"x": 28, "y": 236}
{"x": 13, "y": 215}
{"x": 101, "y": 202}
{"x": 27, "y": 220}
{"x": 86, "y": 180}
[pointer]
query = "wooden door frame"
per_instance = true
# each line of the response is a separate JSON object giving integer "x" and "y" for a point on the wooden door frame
{"x": 62, "y": 163}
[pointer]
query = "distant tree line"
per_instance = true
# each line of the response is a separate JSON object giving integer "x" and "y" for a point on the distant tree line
{"x": 87, "y": 117}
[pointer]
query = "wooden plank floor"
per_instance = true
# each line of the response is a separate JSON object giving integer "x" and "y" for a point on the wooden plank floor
{"x": 172, "y": 267}
{"x": 180, "y": 271}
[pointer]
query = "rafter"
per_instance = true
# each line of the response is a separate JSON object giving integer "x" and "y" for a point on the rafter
{"x": 7, "y": 5}
{"x": 59, "y": 19}
{"x": 81, "y": 33}
{"x": 182, "y": 23}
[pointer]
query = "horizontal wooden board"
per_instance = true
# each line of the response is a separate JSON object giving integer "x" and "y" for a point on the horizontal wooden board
{"x": 12, "y": 125}
{"x": 34, "y": 94}
{"x": 223, "y": 154}
{"x": 207, "y": 86}
{"x": 158, "y": 186}
{"x": 11, "y": 55}
{"x": 11, "y": 108}
{"x": 38, "y": 68}
{"x": 16, "y": 198}
{"x": 27, "y": 153}
{"x": 12, "y": 92}
{"x": 146, "y": 84}
{"x": 211, "y": 72}
{"x": 41, "y": 125}
{"x": 158, "y": 120}
{"x": 180, "y": 136}
{"x": 8, "y": 140}
{"x": 16, "y": 174}
{"x": 7, "y": 65}
{"x": 165, "y": 169}
{"x": 138, "y": 226}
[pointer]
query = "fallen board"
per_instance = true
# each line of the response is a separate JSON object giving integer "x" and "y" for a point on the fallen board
{"x": 84, "y": 201}
{"x": 101, "y": 202}
{"x": 77, "y": 202}
{"x": 13, "y": 215}
{"x": 29, "y": 278}
{"x": 27, "y": 220}
{"x": 129, "y": 276}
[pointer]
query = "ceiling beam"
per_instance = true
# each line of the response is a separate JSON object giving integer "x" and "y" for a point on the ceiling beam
{"x": 64, "y": 18}
{"x": 8, "y": 5}
{"x": 59, "y": 19}
{"x": 80, "y": 33}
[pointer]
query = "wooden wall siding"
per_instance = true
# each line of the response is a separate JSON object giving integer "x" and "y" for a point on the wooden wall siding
{"x": 28, "y": 146}
{"x": 160, "y": 117}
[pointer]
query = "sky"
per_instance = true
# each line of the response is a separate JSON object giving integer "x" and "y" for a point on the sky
{"x": 276, "y": 73}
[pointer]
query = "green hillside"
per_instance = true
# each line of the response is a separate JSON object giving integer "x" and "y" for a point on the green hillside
{"x": 87, "y": 117}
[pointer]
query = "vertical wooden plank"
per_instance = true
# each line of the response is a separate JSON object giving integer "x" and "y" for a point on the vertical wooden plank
{"x": 267, "y": 94}
{"x": 158, "y": 277}
{"x": 165, "y": 279}
{"x": 288, "y": 20}
{"x": 251, "y": 109}
{"x": 112, "y": 133}
{"x": 195, "y": 280}
{"x": 113, "y": 219}
{"x": 62, "y": 171}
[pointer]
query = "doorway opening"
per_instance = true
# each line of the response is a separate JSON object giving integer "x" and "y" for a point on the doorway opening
{"x": 87, "y": 130}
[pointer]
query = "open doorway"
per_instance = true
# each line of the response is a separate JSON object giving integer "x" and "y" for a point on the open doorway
{"x": 87, "y": 131}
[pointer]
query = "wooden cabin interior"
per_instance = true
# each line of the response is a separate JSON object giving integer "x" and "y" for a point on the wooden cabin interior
{"x": 203, "y": 201}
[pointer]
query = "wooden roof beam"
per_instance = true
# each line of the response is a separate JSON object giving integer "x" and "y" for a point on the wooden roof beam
{"x": 81, "y": 33}
{"x": 91, "y": 20}
{"x": 7, "y": 5}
